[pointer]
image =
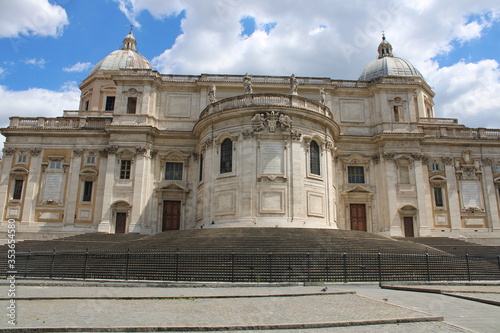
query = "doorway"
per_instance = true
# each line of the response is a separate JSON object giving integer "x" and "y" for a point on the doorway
{"x": 408, "y": 225}
{"x": 171, "y": 215}
{"x": 120, "y": 223}
{"x": 358, "y": 217}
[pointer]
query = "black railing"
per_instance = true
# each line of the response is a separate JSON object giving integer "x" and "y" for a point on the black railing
{"x": 234, "y": 266}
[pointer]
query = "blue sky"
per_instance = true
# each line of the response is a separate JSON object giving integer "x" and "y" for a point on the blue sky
{"x": 48, "y": 47}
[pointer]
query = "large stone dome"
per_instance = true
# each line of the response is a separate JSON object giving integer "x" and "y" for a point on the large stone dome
{"x": 125, "y": 58}
{"x": 388, "y": 65}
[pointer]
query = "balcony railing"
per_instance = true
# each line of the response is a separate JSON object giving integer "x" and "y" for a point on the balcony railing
{"x": 270, "y": 100}
{"x": 462, "y": 133}
{"x": 58, "y": 123}
{"x": 438, "y": 120}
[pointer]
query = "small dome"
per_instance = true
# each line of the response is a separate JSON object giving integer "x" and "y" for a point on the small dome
{"x": 125, "y": 58}
{"x": 388, "y": 65}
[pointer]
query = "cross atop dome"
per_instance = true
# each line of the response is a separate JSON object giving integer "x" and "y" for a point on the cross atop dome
{"x": 384, "y": 48}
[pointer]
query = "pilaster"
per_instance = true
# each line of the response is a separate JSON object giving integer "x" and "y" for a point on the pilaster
{"x": 74, "y": 180}
{"x": 453, "y": 198}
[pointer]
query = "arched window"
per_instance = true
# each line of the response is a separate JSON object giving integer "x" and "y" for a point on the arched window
{"x": 314, "y": 158}
{"x": 226, "y": 156}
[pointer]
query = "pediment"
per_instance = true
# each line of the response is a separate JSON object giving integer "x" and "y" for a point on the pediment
{"x": 359, "y": 190}
{"x": 173, "y": 186}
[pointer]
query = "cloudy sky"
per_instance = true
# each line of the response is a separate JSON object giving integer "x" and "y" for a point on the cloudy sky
{"x": 48, "y": 47}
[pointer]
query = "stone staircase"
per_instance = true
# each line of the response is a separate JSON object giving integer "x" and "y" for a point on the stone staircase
{"x": 238, "y": 239}
{"x": 457, "y": 246}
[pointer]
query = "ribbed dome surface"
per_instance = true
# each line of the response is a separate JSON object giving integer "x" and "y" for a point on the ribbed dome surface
{"x": 126, "y": 58}
{"x": 388, "y": 66}
{"x": 122, "y": 59}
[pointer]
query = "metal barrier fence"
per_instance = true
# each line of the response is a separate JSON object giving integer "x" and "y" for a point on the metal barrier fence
{"x": 270, "y": 266}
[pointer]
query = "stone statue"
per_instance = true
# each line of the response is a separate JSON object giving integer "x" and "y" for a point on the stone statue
{"x": 211, "y": 94}
{"x": 259, "y": 122}
{"x": 285, "y": 121}
{"x": 293, "y": 85}
{"x": 247, "y": 84}
{"x": 322, "y": 96}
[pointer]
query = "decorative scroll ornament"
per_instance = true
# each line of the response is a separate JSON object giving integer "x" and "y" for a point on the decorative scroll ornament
{"x": 141, "y": 150}
{"x": 296, "y": 135}
{"x": 35, "y": 151}
{"x": 77, "y": 152}
{"x": 9, "y": 151}
{"x": 110, "y": 150}
{"x": 272, "y": 120}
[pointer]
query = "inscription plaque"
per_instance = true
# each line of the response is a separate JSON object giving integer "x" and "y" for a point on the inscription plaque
{"x": 271, "y": 156}
{"x": 52, "y": 190}
{"x": 470, "y": 194}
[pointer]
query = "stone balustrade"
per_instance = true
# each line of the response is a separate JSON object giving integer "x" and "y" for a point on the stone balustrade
{"x": 461, "y": 132}
{"x": 58, "y": 123}
{"x": 266, "y": 100}
{"x": 438, "y": 120}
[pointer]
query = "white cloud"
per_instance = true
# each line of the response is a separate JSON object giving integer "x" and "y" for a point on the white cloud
{"x": 469, "y": 92}
{"x": 36, "y": 17}
{"x": 36, "y": 62}
{"x": 78, "y": 67}
{"x": 1, "y": 71}
{"x": 37, "y": 102}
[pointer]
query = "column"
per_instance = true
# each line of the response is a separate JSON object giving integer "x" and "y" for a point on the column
{"x": 297, "y": 164}
{"x": 490, "y": 197}
{"x": 453, "y": 198}
{"x": 32, "y": 186}
{"x": 392, "y": 200}
{"x": 73, "y": 196}
{"x": 424, "y": 199}
{"x": 107, "y": 214}
{"x": 247, "y": 165}
{"x": 5, "y": 178}
{"x": 140, "y": 174}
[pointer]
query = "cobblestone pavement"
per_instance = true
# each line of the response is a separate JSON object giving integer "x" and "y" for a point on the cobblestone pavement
{"x": 103, "y": 306}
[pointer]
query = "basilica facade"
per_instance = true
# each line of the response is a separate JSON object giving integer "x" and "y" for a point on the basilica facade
{"x": 148, "y": 152}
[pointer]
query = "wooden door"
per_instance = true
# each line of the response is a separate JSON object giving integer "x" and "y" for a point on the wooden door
{"x": 358, "y": 217}
{"x": 408, "y": 225}
{"x": 120, "y": 223}
{"x": 171, "y": 215}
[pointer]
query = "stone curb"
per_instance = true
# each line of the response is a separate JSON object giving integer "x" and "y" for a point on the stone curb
{"x": 226, "y": 328}
{"x": 446, "y": 293}
{"x": 475, "y": 299}
{"x": 29, "y": 298}
{"x": 142, "y": 283}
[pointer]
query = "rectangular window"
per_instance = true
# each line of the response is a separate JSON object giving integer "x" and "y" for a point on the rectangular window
{"x": 173, "y": 171}
{"x": 86, "y": 105}
{"x": 125, "y": 167}
{"x": 21, "y": 159}
{"x": 55, "y": 164}
{"x": 356, "y": 174}
{"x": 18, "y": 189}
{"x": 438, "y": 196}
{"x": 90, "y": 160}
{"x": 87, "y": 191}
{"x": 396, "y": 113}
{"x": 131, "y": 105}
{"x": 110, "y": 103}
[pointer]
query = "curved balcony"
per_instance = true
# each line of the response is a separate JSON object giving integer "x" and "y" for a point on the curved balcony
{"x": 266, "y": 100}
